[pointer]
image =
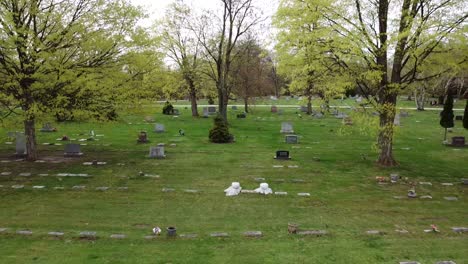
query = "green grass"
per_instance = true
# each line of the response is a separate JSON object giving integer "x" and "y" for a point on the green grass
{"x": 345, "y": 198}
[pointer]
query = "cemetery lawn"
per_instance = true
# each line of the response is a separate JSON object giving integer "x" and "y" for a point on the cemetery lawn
{"x": 335, "y": 164}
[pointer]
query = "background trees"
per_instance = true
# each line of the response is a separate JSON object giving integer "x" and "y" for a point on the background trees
{"x": 384, "y": 52}
{"x": 49, "y": 46}
{"x": 219, "y": 35}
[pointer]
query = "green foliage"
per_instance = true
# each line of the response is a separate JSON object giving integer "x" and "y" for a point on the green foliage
{"x": 168, "y": 109}
{"x": 465, "y": 116}
{"x": 220, "y": 132}
{"x": 446, "y": 116}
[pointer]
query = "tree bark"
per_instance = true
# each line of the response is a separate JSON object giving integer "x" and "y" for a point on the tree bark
{"x": 246, "y": 104}
{"x": 309, "y": 104}
{"x": 385, "y": 137}
{"x": 193, "y": 97}
{"x": 420, "y": 98}
{"x": 30, "y": 133}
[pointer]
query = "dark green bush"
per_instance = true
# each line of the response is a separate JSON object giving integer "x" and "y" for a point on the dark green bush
{"x": 168, "y": 109}
{"x": 220, "y": 132}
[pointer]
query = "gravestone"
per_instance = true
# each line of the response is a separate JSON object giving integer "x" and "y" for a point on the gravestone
{"x": 20, "y": 144}
{"x": 274, "y": 109}
{"x": 404, "y": 114}
{"x": 142, "y": 137}
{"x": 205, "y": 112}
{"x": 48, "y": 128}
{"x": 304, "y": 109}
{"x": 234, "y": 107}
{"x": 459, "y": 118}
{"x": 253, "y": 234}
{"x": 242, "y": 115}
{"x": 458, "y": 141}
{"x": 282, "y": 155}
{"x": 157, "y": 152}
{"x": 347, "y": 121}
{"x": 286, "y": 127}
{"x": 159, "y": 128}
{"x": 72, "y": 150}
{"x": 175, "y": 112}
{"x": 291, "y": 139}
{"x": 396, "y": 121}
{"x": 341, "y": 115}
{"x": 212, "y": 110}
{"x": 280, "y": 111}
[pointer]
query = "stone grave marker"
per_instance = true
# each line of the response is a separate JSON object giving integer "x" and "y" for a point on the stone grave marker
{"x": 460, "y": 229}
{"x": 72, "y": 150}
{"x": 188, "y": 235}
{"x": 205, "y": 112}
{"x": 159, "y": 128}
{"x": 341, "y": 115}
{"x": 157, "y": 152}
{"x": 88, "y": 235}
{"x": 458, "y": 141}
{"x": 56, "y": 234}
{"x": 446, "y": 262}
{"x": 175, "y": 112}
{"x": 409, "y": 262}
{"x": 118, "y": 236}
{"x": 451, "y": 198}
{"x": 459, "y": 117}
{"x": 396, "y": 121}
{"x": 311, "y": 232}
{"x": 234, "y": 107}
{"x": 218, "y": 234}
{"x": 287, "y": 127}
{"x": 48, "y": 128}
{"x": 253, "y": 234}
{"x": 280, "y": 111}
{"x": 274, "y": 109}
{"x": 303, "y": 109}
{"x": 304, "y": 194}
{"x": 292, "y": 139}
{"x": 18, "y": 186}
{"x": 20, "y": 144}
{"x": 464, "y": 181}
{"x": 281, "y": 193}
{"x": 404, "y": 114}
{"x": 24, "y": 232}
{"x": 211, "y": 110}
{"x": 282, "y": 155}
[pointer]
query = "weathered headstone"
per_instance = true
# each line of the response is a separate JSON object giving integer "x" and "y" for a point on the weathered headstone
{"x": 176, "y": 112}
{"x": 234, "y": 107}
{"x": 212, "y": 110}
{"x": 396, "y": 121}
{"x": 274, "y": 109}
{"x": 446, "y": 262}
{"x": 282, "y": 155}
{"x": 304, "y": 109}
{"x": 157, "y": 152}
{"x": 286, "y": 127}
{"x": 88, "y": 235}
{"x": 292, "y": 139}
{"x": 219, "y": 235}
{"x": 159, "y": 128}
{"x": 205, "y": 112}
{"x": 20, "y": 144}
{"x": 72, "y": 150}
{"x": 48, "y": 128}
{"x": 459, "y": 118}
{"x": 458, "y": 141}
{"x": 253, "y": 234}
{"x": 311, "y": 232}
{"x": 404, "y": 114}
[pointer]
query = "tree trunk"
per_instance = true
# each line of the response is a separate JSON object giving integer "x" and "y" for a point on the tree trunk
{"x": 246, "y": 104}
{"x": 193, "y": 101}
{"x": 420, "y": 98}
{"x": 30, "y": 133}
{"x": 445, "y": 135}
{"x": 385, "y": 138}
{"x": 309, "y": 104}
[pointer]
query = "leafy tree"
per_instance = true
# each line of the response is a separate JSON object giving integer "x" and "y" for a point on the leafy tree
{"x": 384, "y": 53}
{"x": 250, "y": 73}
{"x": 303, "y": 51}
{"x": 446, "y": 116}
{"x": 182, "y": 47}
{"x": 47, "y": 45}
